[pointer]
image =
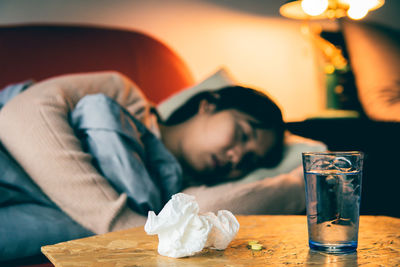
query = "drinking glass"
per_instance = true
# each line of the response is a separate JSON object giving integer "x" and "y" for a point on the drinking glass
{"x": 333, "y": 194}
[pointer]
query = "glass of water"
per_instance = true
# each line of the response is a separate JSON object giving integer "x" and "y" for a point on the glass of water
{"x": 333, "y": 194}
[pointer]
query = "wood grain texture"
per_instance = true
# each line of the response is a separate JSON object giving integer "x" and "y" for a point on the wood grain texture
{"x": 284, "y": 240}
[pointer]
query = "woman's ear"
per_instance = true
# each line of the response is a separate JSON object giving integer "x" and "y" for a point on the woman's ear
{"x": 206, "y": 107}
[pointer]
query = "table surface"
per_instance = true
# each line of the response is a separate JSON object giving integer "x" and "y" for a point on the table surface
{"x": 284, "y": 240}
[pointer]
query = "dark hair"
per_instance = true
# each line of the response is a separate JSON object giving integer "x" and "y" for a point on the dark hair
{"x": 247, "y": 100}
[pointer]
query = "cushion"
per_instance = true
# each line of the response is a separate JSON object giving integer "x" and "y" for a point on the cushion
{"x": 292, "y": 159}
{"x": 220, "y": 78}
{"x": 294, "y": 145}
{"x": 374, "y": 53}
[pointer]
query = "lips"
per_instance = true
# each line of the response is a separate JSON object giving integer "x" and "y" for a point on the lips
{"x": 219, "y": 164}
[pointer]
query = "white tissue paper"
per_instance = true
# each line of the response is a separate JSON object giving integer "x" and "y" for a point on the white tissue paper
{"x": 182, "y": 231}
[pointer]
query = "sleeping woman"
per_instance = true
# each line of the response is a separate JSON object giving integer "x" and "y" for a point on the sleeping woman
{"x": 85, "y": 154}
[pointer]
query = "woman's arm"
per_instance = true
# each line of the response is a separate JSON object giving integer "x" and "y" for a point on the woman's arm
{"x": 34, "y": 128}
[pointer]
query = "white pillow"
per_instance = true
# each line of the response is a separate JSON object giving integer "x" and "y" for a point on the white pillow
{"x": 219, "y": 79}
{"x": 294, "y": 145}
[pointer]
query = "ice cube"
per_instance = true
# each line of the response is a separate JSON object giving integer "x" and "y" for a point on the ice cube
{"x": 321, "y": 164}
{"x": 342, "y": 164}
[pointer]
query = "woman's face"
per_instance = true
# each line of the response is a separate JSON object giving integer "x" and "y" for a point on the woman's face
{"x": 220, "y": 145}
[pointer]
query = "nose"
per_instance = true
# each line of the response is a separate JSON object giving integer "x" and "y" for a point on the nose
{"x": 235, "y": 154}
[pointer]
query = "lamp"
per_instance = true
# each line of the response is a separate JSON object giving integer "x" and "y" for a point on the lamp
{"x": 336, "y": 66}
{"x": 331, "y": 9}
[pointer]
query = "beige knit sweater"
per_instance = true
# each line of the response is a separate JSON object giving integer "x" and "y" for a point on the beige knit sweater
{"x": 35, "y": 129}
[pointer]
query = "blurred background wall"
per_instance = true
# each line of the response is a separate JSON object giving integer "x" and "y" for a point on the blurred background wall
{"x": 249, "y": 38}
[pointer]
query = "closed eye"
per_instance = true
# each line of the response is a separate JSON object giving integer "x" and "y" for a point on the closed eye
{"x": 245, "y": 136}
{"x": 241, "y": 134}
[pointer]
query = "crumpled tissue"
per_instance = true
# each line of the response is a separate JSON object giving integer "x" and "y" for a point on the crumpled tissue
{"x": 183, "y": 232}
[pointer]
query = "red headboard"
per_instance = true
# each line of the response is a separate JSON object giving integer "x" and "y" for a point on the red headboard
{"x": 41, "y": 51}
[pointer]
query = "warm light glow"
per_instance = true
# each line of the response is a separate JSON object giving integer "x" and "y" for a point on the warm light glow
{"x": 331, "y": 9}
{"x": 329, "y": 69}
{"x": 344, "y": 2}
{"x": 373, "y": 4}
{"x": 357, "y": 14}
{"x": 314, "y": 7}
{"x": 359, "y": 8}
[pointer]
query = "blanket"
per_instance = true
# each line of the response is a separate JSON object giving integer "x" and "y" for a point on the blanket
{"x": 124, "y": 151}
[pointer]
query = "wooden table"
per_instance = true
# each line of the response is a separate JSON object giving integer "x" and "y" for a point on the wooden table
{"x": 284, "y": 240}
